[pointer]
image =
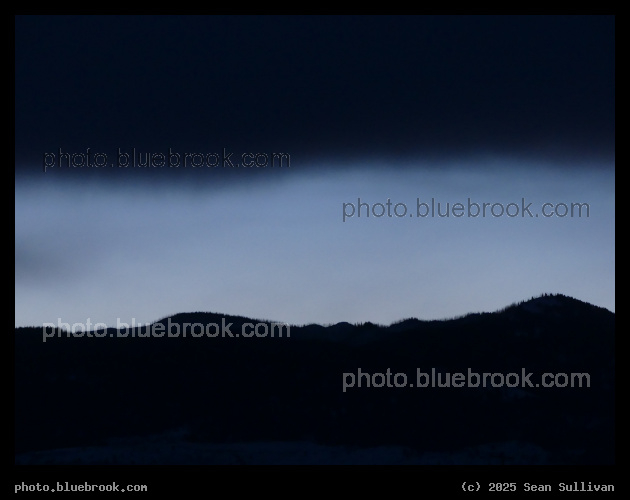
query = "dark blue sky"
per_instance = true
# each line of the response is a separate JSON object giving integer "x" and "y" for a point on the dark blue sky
{"x": 491, "y": 108}
{"x": 316, "y": 86}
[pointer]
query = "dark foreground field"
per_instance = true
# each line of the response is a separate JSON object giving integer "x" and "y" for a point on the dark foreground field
{"x": 282, "y": 400}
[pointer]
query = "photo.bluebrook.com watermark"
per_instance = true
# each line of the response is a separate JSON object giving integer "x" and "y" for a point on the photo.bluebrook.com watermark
{"x": 160, "y": 329}
{"x": 459, "y": 380}
{"x": 432, "y": 208}
{"x": 133, "y": 158}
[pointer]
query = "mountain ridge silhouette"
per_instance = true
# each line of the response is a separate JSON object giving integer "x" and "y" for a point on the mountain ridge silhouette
{"x": 87, "y": 391}
{"x": 555, "y": 300}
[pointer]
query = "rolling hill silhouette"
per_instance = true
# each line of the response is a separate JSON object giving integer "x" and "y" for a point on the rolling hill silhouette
{"x": 96, "y": 392}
